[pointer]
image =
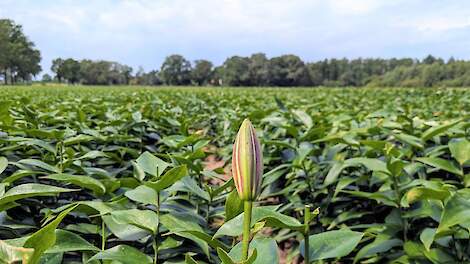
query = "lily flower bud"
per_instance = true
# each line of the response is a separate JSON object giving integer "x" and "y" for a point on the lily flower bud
{"x": 247, "y": 162}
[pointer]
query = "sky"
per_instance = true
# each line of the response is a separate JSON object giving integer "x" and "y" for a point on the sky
{"x": 141, "y": 33}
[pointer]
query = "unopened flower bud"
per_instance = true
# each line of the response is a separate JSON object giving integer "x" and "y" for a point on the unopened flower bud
{"x": 247, "y": 162}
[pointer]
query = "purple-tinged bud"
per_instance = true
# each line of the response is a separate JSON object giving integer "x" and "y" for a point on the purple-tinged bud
{"x": 247, "y": 162}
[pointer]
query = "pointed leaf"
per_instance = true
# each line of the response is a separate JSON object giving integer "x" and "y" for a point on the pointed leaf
{"x": 124, "y": 254}
{"x": 460, "y": 150}
{"x": 441, "y": 164}
{"x": 151, "y": 164}
{"x": 144, "y": 219}
{"x": 233, "y": 205}
{"x": 143, "y": 194}
{"x": 11, "y": 254}
{"x": 39, "y": 164}
{"x": 170, "y": 177}
{"x": 45, "y": 237}
{"x": 30, "y": 190}
{"x": 83, "y": 181}
{"x": 3, "y": 164}
{"x": 265, "y": 248}
{"x": 434, "y": 131}
{"x": 332, "y": 244}
{"x": 234, "y": 227}
{"x": 67, "y": 241}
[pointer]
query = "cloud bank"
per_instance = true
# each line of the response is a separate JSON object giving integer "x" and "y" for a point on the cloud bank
{"x": 143, "y": 32}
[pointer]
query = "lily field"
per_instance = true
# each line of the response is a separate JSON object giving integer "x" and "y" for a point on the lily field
{"x": 144, "y": 175}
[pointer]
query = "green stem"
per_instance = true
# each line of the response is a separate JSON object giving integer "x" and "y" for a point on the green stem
{"x": 208, "y": 209}
{"x": 61, "y": 149}
{"x": 155, "y": 250}
{"x": 307, "y": 219}
{"x": 103, "y": 238}
{"x": 156, "y": 242}
{"x": 246, "y": 229}
{"x": 398, "y": 193}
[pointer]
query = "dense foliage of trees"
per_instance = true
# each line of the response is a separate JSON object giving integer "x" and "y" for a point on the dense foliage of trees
{"x": 285, "y": 70}
{"x": 19, "y": 59}
{"x": 91, "y": 72}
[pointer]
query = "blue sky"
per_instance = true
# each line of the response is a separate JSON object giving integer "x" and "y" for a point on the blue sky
{"x": 143, "y": 32}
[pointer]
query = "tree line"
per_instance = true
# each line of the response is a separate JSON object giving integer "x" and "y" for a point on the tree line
{"x": 20, "y": 62}
{"x": 285, "y": 70}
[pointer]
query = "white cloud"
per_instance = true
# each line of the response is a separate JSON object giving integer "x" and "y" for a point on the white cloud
{"x": 142, "y": 32}
{"x": 355, "y": 7}
{"x": 441, "y": 23}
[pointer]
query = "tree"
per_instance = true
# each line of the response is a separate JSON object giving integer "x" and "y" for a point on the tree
{"x": 236, "y": 71}
{"x": 288, "y": 70}
{"x": 202, "y": 72}
{"x": 46, "y": 78}
{"x": 19, "y": 60}
{"x": 149, "y": 78}
{"x": 176, "y": 70}
{"x": 259, "y": 70}
{"x": 429, "y": 59}
{"x": 70, "y": 70}
{"x": 56, "y": 68}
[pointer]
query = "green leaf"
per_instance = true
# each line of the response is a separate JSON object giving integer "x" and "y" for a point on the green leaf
{"x": 334, "y": 173}
{"x": 434, "y": 131}
{"x": 19, "y": 174}
{"x": 441, "y": 164}
{"x": 420, "y": 193}
{"x": 124, "y": 254}
{"x": 234, "y": 227}
{"x": 214, "y": 243}
{"x": 369, "y": 163}
{"x": 39, "y": 143}
{"x": 427, "y": 237}
{"x": 266, "y": 249}
{"x": 170, "y": 177}
{"x": 11, "y": 254}
{"x": 139, "y": 173}
{"x": 143, "y": 194}
{"x": 456, "y": 211}
{"x": 30, "y": 190}
{"x": 3, "y": 164}
{"x": 410, "y": 140}
{"x": 189, "y": 260}
{"x": 124, "y": 232}
{"x": 191, "y": 186}
{"x": 144, "y": 219}
{"x": 181, "y": 225}
{"x": 93, "y": 155}
{"x": 303, "y": 117}
{"x": 224, "y": 257}
{"x": 39, "y": 164}
{"x": 233, "y": 205}
{"x": 151, "y": 164}
{"x": 55, "y": 258}
{"x": 332, "y": 244}
{"x": 45, "y": 237}
{"x": 169, "y": 243}
{"x": 67, "y": 241}
{"x": 83, "y": 181}
{"x": 379, "y": 197}
{"x": 382, "y": 243}
{"x": 460, "y": 150}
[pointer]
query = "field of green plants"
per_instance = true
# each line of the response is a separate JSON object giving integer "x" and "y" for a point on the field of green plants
{"x": 143, "y": 175}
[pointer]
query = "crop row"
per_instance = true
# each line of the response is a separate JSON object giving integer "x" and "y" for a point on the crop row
{"x": 142, "y": 175}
